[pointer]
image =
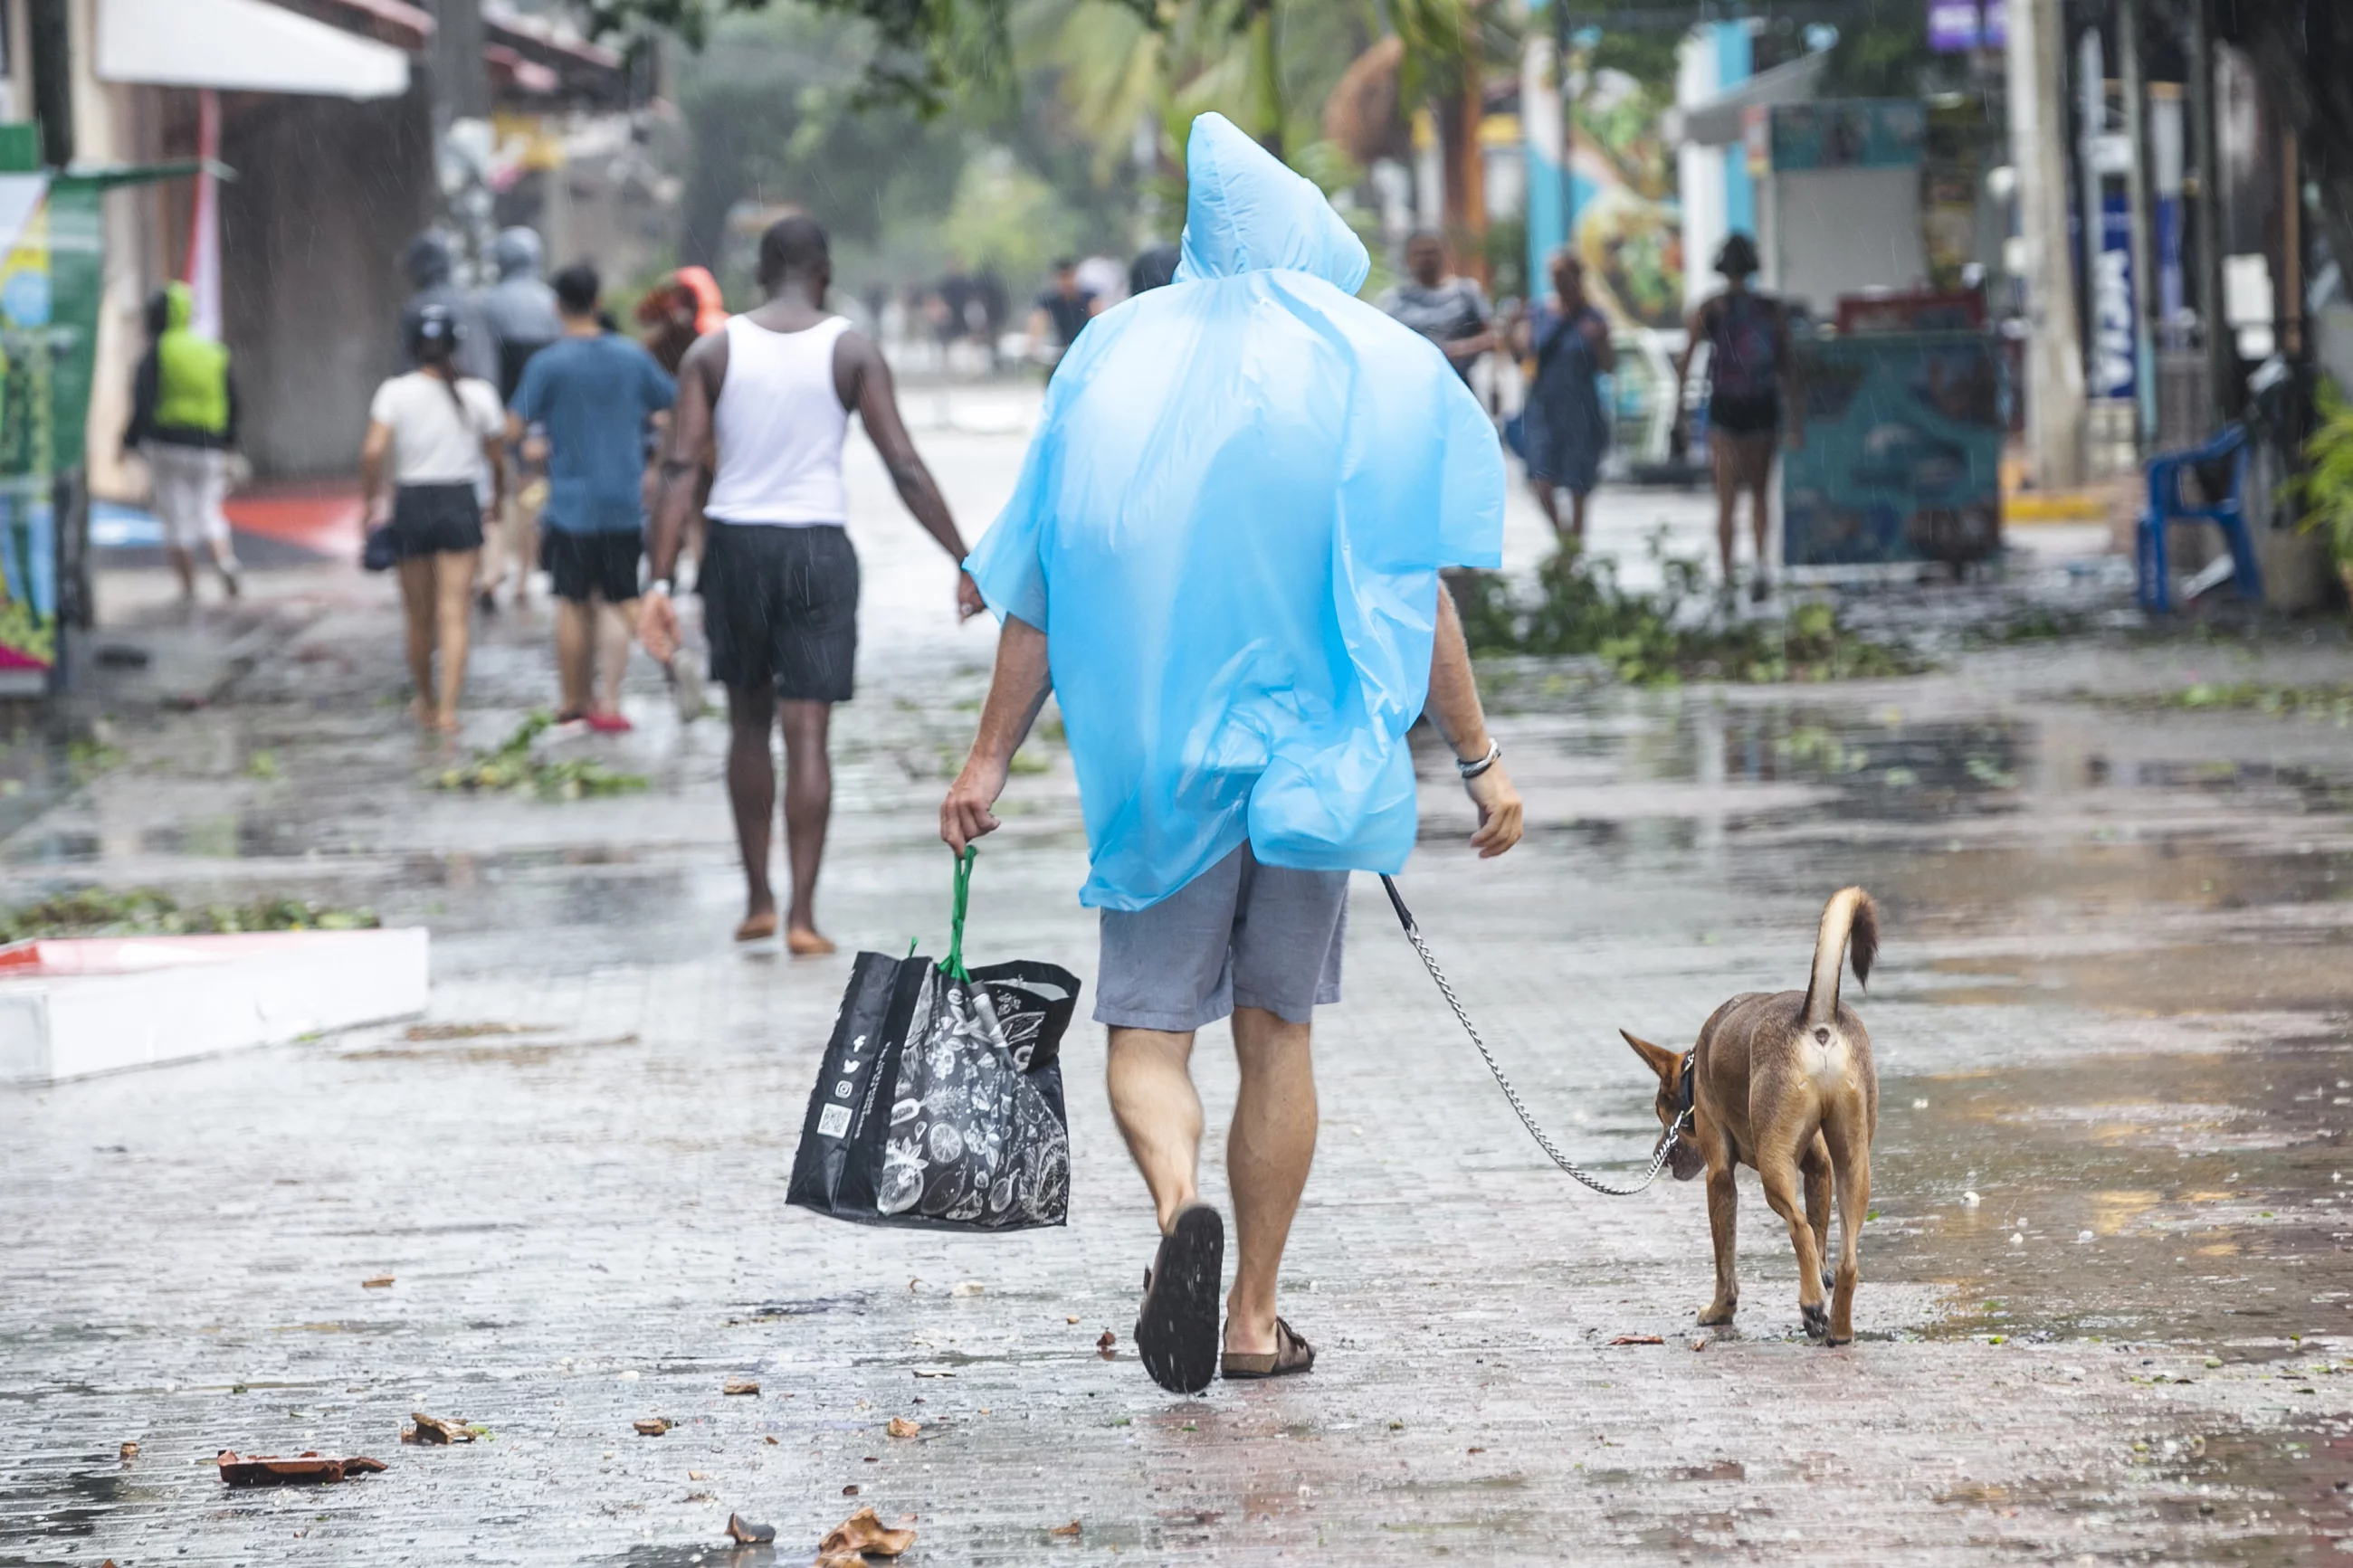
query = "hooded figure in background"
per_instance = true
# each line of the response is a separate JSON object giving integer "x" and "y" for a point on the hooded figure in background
{"x": 520, "y": 306}
{"x": 183, "y": 423}
{"x": 1222, "y": 561}
{"x": 430, "y": 267}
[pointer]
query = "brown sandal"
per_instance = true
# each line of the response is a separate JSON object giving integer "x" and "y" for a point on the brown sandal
{"x": 1290, "y": 1354}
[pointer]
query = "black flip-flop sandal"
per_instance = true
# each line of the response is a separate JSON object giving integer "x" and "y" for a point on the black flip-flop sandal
{"x": 1176, "y": 1327}
{"x": 1290, "y": 1356}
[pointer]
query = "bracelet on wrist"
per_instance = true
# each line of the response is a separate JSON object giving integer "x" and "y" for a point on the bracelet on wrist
{"x": 1471, "y": 768}
{"x": 658, "y": 585}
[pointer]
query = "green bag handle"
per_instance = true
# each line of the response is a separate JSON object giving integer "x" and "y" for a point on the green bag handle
{"x": 954, "y": 963}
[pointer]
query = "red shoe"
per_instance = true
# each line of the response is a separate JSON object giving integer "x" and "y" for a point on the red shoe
{"x": 610, "y": 724}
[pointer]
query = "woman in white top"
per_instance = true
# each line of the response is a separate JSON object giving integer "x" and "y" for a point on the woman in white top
{"x": 443, "y": 433}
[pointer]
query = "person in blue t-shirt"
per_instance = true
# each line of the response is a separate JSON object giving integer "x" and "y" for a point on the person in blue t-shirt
{"x": 584, "y": 400}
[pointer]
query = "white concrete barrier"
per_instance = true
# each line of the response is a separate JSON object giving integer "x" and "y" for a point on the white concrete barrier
{"x": 72, "y": 1007}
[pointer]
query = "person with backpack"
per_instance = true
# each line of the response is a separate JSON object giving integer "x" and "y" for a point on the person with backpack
{"x": 1754, "y": 399}
{"x": 1567, "y": 429}
{"x": 183, "y": 423}
{"x": 432, "y": 467}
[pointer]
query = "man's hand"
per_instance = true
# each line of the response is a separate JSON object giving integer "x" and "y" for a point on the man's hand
{"x": 965, "y": 815}
{"x": 657, "y": 627}
{"x": 1499, "y": 812}
{"x": 968, "y": 600}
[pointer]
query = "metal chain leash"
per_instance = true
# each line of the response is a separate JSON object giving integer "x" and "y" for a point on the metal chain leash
{"x": 1446, "y": 989}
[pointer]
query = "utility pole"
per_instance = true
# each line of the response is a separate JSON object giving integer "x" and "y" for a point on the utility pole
{"x": 461, "y": 82}
{"x": 2222, "y": 343}
{"x": 461, "y": 127}
{"x": 2132, "y": 68}
{"x": 2038, "y": 150}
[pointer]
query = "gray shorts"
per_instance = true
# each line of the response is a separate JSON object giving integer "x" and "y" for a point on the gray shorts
{"x": 1239, "y": 935}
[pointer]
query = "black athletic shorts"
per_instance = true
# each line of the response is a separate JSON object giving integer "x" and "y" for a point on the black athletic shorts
{"x": 602, "y": 565}
{"x": 436, "y": 520}
{"x": 1755, "y": 414}
{"x": 781, "y": 605}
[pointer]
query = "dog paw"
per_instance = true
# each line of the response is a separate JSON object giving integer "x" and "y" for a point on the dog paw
{"x": 1716, "y": 1317}
{"x": 1833, "y": 1342}
{"x": 1816, "y": 1322}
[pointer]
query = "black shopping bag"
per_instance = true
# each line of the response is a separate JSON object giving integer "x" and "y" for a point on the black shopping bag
{"x": 940, "y": 1101}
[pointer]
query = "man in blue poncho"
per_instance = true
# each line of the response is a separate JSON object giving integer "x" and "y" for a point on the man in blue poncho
{"x": 1222, "y": 558}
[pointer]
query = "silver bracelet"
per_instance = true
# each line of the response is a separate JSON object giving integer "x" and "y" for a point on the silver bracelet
{"x": 1472, "y": 769}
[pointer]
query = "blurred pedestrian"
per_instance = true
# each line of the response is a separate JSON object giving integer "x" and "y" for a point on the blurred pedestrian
{"x": 581, "y": 411}
{"x": 1752, "y": 392}
{"x": 1061, "y": 314}
{"x": 437, "y": 437}
{"x": 1154, "y": 268}
{"x": 1567, "y": 429}
{"x": 520, "y": 310}
{"x": 430, "y": 268}
{"x": 183, "y": 422}
{"x": 684, "y": 306}
{"x": 1449, "y": 310}
{"x": 771, "y": 397}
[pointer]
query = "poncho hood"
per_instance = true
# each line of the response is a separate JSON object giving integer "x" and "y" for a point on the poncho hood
{"x": 1246, "y": 213}
{"x": 1230, "y": 527}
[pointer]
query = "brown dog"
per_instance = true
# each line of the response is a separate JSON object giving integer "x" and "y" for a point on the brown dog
{"x": 1784, "y": 1083}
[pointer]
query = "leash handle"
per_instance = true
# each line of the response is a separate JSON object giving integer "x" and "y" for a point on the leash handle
{"x": 1552, "y": 1150}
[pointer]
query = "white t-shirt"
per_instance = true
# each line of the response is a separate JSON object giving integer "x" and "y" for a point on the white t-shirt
{"x": 430, "y": 444}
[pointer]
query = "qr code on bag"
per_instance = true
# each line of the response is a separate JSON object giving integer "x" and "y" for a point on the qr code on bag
{"x": 833, "y": 1121}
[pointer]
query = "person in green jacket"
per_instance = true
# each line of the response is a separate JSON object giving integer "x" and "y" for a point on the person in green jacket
{"x": 183, "y": 422}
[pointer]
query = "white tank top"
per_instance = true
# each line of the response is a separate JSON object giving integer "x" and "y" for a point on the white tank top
{"x": 778, "y": 428}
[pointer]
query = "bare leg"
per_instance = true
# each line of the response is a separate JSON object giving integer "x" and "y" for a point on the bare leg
{"x": 453, "y": 574}
{"x": 808, "y": 805}
{"x": 1778, "y": 1175}
{"x": 1576, "y": 499}
{"x": 1547, "y": 501}
{"x": 1150, "y": 1076}
{"x": 576, "y": 652}
{"x": 183, "y": 566}
{"x": 1267, "y": 1152}
{"x": 1760, "y": 512}
{"x": 613, "y": 639}
{"x": 752, "y": 794}
{"x": 418, "y": 608}
{"x": 1724, "y": 461}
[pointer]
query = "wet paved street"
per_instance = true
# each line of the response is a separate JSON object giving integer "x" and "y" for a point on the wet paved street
{"x": 2106, "y": 1306}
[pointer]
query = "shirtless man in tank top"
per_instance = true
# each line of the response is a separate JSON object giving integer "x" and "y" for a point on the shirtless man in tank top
{"x": 765, "y": 403}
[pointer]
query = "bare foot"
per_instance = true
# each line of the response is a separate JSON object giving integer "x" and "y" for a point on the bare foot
{"x": 424, "y": 712}
{"x": 757, "y": 928}
{"x": 446, "y": 722}
{"x": 803, "y": 943}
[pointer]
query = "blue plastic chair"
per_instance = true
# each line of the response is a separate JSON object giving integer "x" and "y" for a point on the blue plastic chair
{"x": 2166, "y": 506}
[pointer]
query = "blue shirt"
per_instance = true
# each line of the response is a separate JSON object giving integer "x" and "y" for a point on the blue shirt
{"x": 591, "y": 396}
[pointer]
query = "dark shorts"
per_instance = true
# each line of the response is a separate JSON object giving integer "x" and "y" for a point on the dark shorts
{"x": 585, "y": 565}
{"x": 780, "y": 606}
{"x": 436, "y": 520}
{"x": 1758, "y": 414}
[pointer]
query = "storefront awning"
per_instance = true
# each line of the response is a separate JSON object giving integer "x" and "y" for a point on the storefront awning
{"x": 1719, "y": 122}
{"x": 240, "y": 45}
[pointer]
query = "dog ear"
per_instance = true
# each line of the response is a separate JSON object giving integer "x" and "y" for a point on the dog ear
{"x": 1662, "y": 1061}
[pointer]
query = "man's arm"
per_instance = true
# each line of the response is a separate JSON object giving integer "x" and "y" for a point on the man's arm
{"x": 1453, "y": 707}
{"x": 869, "y": 392}
{"x": 1605, "y": 351}
{"x": 699, "y": 377}
{"x": 1015, "y": 693}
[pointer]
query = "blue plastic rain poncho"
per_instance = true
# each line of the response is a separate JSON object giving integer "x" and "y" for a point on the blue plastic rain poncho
{"x": 1229, "y": 527}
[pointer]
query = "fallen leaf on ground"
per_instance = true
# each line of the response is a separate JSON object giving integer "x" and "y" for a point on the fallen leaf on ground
{"x": 432, "y": 1430}
{"x": 130, "y": 1450}
{"x": 1699, "y": 1344}
{"x": 745, "y": 1387}
{"x": 743, "y": 1532}
{"x": 1069, "y": 1320}
{"x": 849, "y": 1490}
{"x": 860, "y": 1532}
{"x": 1476, "y": 1450}
{"x": 934, "y": 1371}
{"x": 964, "y": 1288}
{"x": 1638, "y": 1340}
{"x": 1065, "y": 1531}
{"x": 772, "y": 1441}
{"x": 694, "y": 1475}
{"x": 651, "y": 1426}
{"x": 838, "y": 1560}
{"x": 380, "y": 1282}
{"x": 1105, "y": 1347}
{"x": 902, "y": 1427}
{"x": 304, "y": 1470}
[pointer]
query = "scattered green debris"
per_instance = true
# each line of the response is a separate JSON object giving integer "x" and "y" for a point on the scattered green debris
{"x": 261, "y": 765}
{"x": 511, "y": 766}
{"x": 86, "y": 759}
{"x": 1665, "y": 639}
{"x": 149, "y": 912}
{"x": 2323, "y": 702}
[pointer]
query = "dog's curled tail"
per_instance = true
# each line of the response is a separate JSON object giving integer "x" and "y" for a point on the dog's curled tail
{"x": 1849, "y": 916}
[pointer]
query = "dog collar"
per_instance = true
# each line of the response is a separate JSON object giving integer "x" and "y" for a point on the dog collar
{"x": 1684, "y": 1088}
